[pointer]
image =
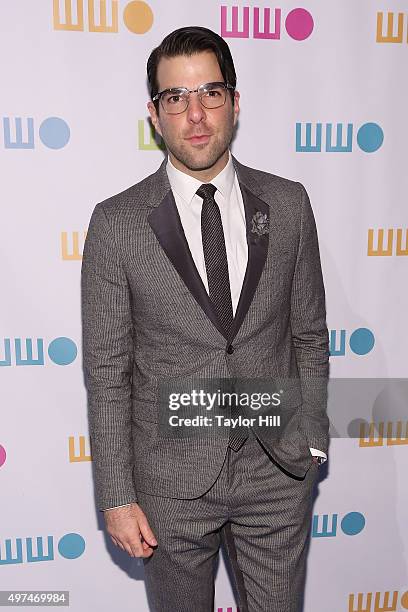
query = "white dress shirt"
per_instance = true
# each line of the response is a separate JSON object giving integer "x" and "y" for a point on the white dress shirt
{"x": 229, "y": 199}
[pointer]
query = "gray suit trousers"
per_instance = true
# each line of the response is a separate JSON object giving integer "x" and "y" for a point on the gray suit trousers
{"x": 266, "y": 514}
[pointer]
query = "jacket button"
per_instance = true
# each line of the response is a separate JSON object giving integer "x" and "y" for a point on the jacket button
{"x": 230, "y": 349}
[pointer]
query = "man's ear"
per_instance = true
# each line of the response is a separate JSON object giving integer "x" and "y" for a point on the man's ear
{"x": 236, "y": 106}
{"x": 154, "y": 117}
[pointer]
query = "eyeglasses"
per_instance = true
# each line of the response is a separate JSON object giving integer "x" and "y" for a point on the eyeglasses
{"x": 176, "y": 99}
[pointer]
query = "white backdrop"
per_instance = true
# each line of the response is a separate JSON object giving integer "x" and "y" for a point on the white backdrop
{"x": 74, "y": 132}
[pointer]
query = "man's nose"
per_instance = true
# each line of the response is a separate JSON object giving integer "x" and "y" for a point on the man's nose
{"x": 195, "y": 110}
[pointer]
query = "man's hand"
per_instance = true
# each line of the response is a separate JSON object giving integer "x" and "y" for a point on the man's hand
{"x": 129, "y": 529}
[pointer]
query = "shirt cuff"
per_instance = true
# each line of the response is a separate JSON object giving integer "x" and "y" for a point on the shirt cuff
{"x": 318, "y": 453}
{"x": 121, "y": 506}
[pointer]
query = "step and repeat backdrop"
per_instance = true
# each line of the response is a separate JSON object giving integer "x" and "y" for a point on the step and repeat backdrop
{"x": 323, "y": 101}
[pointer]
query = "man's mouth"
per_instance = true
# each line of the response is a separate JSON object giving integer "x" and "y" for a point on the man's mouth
{"x": 199, "y": 139}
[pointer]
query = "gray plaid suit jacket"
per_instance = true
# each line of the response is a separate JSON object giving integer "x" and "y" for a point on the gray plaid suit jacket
{"x": 147, "y": 317}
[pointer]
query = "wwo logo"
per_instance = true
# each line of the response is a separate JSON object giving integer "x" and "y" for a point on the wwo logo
{"x": 265, "y": 23}
{"x": 69, "y": 546}
{"x": 337, "y": 138}
{"x": 378, "y": 601}
{"x": 101, "y": 16}
{"x": 394, "y": 31}
{"x": 395, "y": 244}
{"x": 30, "y": 351}
{"x": 361, "y": 341}
{"x": 19, "y": 133}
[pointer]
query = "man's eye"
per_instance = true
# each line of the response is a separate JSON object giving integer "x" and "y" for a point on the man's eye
{"x": 213, "y": 93}
{"x": 174, "y": 98}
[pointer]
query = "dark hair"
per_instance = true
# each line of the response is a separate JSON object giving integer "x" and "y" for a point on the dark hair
{"x": 187, "y": 41}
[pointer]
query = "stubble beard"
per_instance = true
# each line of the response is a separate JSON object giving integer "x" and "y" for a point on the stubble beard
{"x": 213, "y": 151}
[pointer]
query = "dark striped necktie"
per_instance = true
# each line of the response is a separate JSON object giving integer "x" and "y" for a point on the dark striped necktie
{"x": 216, "y": 264}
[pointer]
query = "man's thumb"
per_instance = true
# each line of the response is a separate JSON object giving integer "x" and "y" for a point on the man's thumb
{"x": 148, "y": 534}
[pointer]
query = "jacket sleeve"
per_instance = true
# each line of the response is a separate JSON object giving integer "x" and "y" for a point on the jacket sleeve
{"x": 107, "y": 336}
{"x": 309, "y": 330}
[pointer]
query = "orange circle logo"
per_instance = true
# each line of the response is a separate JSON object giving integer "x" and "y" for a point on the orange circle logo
{"x": 138, "y": 17}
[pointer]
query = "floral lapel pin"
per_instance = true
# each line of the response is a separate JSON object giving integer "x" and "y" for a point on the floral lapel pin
{"x": 260, "y": 223}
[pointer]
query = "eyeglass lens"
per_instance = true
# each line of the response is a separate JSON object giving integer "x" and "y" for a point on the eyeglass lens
{"x": 176, "y": 101}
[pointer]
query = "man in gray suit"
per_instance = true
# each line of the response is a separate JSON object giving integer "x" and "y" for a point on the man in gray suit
{"x": 205, "y": 270}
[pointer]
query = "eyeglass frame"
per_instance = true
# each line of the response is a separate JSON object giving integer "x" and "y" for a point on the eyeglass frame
{"x": 190, "y": 91}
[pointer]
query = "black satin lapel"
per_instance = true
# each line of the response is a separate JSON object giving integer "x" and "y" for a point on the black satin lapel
{"x": 257, "y": 252}
{"x": 165, "y": 222}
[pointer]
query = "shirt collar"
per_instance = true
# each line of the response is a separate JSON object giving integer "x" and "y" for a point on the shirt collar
{"x": 186, "y": 186}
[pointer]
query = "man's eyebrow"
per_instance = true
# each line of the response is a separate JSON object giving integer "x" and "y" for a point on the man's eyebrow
{"x": 185, "y": 87}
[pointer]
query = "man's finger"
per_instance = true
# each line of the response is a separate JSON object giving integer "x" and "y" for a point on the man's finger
{"x": 140, "y": 549}
{"x": 147, "y": 533}
{"x": 114, "y": 540}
